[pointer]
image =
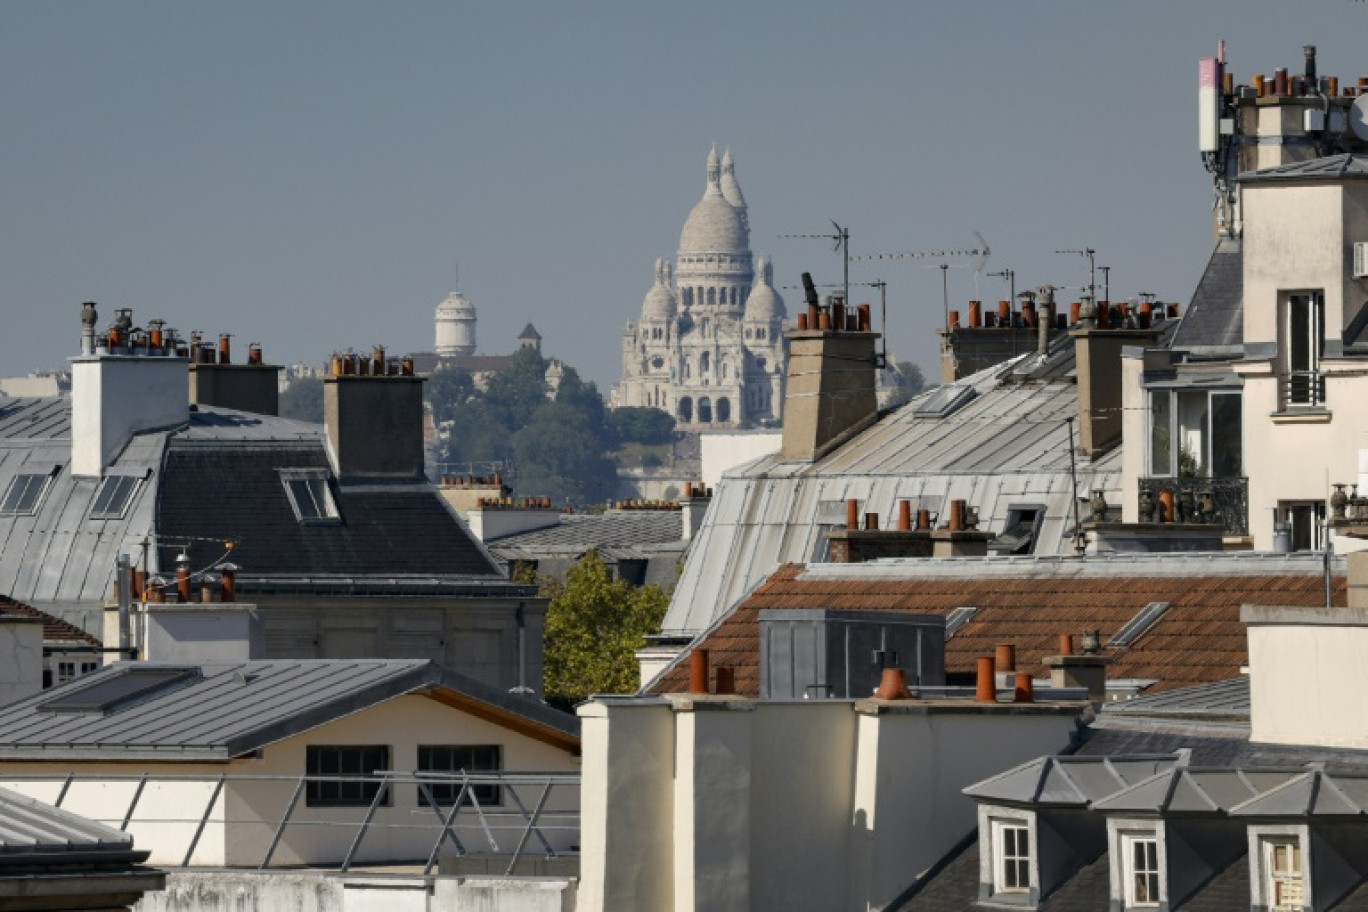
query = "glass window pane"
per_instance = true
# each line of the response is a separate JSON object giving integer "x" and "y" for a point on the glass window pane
{"x": 1192, "y": 434}
{"x": 1161, "y": 450}
{"x": 1227, "y": 446}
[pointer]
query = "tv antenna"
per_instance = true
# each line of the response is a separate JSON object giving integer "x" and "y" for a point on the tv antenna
{"x": 883, "y": 311}
{"x": 976, "y": 256}
{"x": 842, "y": 239}
{"x": 1092, "y": 268}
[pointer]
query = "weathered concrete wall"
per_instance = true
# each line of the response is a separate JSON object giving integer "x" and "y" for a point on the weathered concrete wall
{"x": 316, "y": 891}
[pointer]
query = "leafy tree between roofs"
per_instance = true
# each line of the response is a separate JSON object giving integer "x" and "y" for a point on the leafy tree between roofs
{"x": 595, "y": 623}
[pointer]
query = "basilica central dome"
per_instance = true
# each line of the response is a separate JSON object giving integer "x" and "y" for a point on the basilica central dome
{"x": 714, "y": 225}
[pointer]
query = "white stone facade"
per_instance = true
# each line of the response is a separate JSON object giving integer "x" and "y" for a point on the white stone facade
{"x": 708, "y": 347}
{"x": 455, "y": 326}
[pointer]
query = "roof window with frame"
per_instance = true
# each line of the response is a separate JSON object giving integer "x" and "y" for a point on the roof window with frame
{"x": 117, "y": 690}
{"x": 114, "y": 496}
{"x": 311, "y": 497}
{"x": 25, "y": 493}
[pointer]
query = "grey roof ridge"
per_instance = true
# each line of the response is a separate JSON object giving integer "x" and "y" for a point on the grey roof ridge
{"x": 533, "y": 710}
{"x": 1242, "y": 809}
{"x": 1103, "y": 563}
{"x": 1063, "y": 769}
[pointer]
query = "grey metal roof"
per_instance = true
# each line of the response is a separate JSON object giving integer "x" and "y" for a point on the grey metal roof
{"x": 577, "y": 532}
{"x": 1347, "y": 165}
{"x": 223, "y": 711}
{"x": 1215, "y": 316}
{"x": 1070, "y": 781}
{"x": 29, "y": 828}
{"x": 1008, "y": 447}
{"x": 211, "y": 480}
{"x": 1185, "y": 790}
{"x": 1315, "y": 793}
{"x": 1222, "y": 700}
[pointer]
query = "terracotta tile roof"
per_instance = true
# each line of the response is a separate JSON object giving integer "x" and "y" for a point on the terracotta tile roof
{"x": 55, "y": 630}
{"x": 1199, "y": 639}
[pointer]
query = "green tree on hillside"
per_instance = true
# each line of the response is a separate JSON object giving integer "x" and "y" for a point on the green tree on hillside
{"x": 595, "y": 623}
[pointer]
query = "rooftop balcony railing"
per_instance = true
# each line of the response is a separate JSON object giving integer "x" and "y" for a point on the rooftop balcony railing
{"x": 270, "y": 822}
{"x": 1223, "y": 501}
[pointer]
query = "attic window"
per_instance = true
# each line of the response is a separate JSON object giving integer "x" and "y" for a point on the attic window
{"x": 310, "y": 495}
{"x": 115, "y": 494}
{"x": 957, "y": 619}
{"x": 945, "y": 400}
{"x": 25, "y": 493}
{"x": 112, "y": 691}
{"x": 1139, "y": 624}
{"x": 1018, "y": 536}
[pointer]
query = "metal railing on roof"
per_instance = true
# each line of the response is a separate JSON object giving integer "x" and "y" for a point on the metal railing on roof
{"x": 526, "y": 820}
{"x": 1223, "y": 501}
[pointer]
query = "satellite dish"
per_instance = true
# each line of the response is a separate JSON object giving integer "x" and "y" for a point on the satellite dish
{"x": 1358, "y": 117}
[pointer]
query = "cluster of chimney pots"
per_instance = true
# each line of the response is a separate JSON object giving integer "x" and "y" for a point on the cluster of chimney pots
{"x": 220, "y": 586}
{"x": 835, "y": 316}
{"x": 157, "y": 340}
{"x": 350, "y": 364}
{"x": 961, "y": 518}
{"x": 1107, "y": 315}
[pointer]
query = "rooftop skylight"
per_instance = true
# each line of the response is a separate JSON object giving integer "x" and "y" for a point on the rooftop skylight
{"x": 24, "y": 494}
{"x": 1139, "y": 624}
{"x": 111, "y": 691}
{"x": 114, "y": 496}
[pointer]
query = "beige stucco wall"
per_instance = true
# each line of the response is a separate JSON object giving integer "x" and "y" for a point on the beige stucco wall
{"x": 1308, "y": 683}
{"x": 723, "y": 803}
{"x": 1134, "y": 436}
{"x": 246, "y": 813}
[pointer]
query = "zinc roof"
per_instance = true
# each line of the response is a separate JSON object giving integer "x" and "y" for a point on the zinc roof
{"x": 29, "y": 827}
{"x": 223, "y": 711}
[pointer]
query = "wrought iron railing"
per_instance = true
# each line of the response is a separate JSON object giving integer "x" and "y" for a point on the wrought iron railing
{"x": 1302, "y": 389}
{"x": 1197, "y": 500}
{"x": 537, "y": 814}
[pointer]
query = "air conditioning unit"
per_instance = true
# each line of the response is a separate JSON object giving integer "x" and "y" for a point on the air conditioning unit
{"x": 1360, "y": 260}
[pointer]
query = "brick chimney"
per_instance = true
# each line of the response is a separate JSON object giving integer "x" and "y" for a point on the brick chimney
{"x": 829, "y": 394}
{"x": 984, "y": 340}
{"x": 251, "y": 387}
{"x": 122, "y": 386}
{"x": 1097, "y": 354}
{"x": 374, "y": 420}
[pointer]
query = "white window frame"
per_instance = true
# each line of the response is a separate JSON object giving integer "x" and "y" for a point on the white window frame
{"x": 995, "y": 825}
{"x": 1275, "y": 874}
{"x": 1263, "y": 841}
{"x": 1314, "y": 329}
{"x": 1132, "y": 869}
{"x": 319, "y": 489}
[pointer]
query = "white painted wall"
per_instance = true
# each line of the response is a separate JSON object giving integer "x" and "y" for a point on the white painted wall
{"x": 1308, "y": 683}
{"x": 203, "y": 632}
{"x": 114, "y": 397}
{"x": 245, "y": 815}
{"x": 1134, "y": 435}
{"x": 496, "y": 523}
{"x": 1298, "y": 238}
{"x": 727, "y": 803}
{"x": 722, "y": 450}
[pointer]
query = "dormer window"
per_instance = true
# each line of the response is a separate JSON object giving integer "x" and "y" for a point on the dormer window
{"x": 1011, "y": 856}
{"x": 310, "y": 495}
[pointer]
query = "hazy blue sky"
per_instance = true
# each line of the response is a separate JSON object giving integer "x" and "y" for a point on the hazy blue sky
{"x": 309, "y": 174}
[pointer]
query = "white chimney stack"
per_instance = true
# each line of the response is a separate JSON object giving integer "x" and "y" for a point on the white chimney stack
{"x": 116, "y": 393}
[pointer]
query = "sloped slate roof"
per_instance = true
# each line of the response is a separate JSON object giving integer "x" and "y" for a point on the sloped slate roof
{"x": 224, "y": 711}
{"x": 1029, "y": 602}
{"x": 1187, "y": 790}
{"x": 213, "y": 493}
{"x": 1215, "y": 316}
{"x": 1347, "y": 165}
{"x": 1312, "y": 794}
